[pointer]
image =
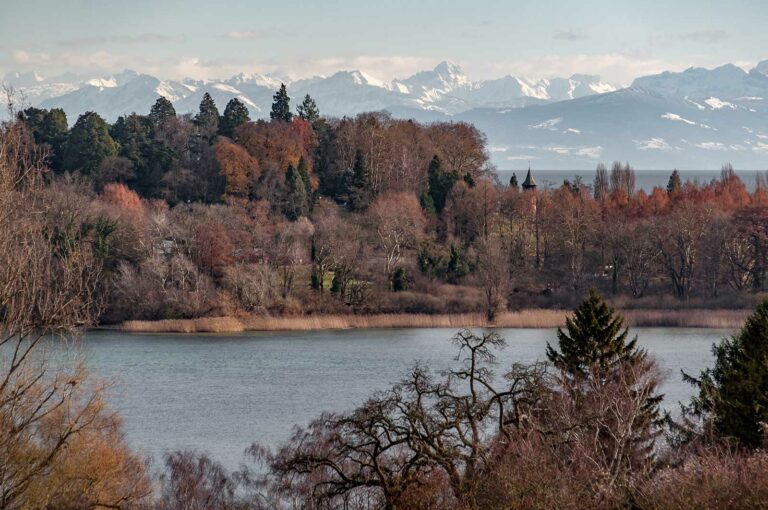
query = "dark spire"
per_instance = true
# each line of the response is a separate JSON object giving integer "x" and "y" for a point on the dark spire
{"x": 529, "y": 183}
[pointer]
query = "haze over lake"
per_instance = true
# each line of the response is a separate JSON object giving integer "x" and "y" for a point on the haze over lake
{"x": 220, "y": 393}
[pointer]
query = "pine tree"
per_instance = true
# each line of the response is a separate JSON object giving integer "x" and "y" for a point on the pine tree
{"x": 208, "y": 116}
{"x": 733, "y": 395}
{"x": 513, "y": 182}
{"x": 281, "y": 106}
{"x": 308, "y": 111}
{"x": 161, "y": 111}
{"x": 296, "y": 196}
{"x": 235, "y": 114}
{"x": 674, "y": 185}
{"x": 89, "y": 143}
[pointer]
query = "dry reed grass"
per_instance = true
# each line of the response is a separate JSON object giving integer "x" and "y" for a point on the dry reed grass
{"x": 534, "y": 318}
{"x": 202, "y": 325}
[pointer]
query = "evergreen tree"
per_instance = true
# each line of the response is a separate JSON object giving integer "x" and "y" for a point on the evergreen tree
{"x": 308, "y": 111}
{"x": 49, "y": 127}
{"x": 359, "y": 188}
{"x": 675, "y": 184}
{"x": 235, "y": 114}
{"x": 208, "y": 116}
{"x": 440, "y": 183}
{"x": 296, "y": 196}
{"x": 151, "y": 157}
{"x": 88, "y": 144}
{"x": 281, "y": 106}
{"x": 593, "y": 341}
{"x": 513, "y": 182}
{"x": 304, "y": 174}
{"x": 733, "y": 395}
{"x": 161, "y": 111}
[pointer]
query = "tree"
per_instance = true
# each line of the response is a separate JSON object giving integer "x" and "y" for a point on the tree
{"x": 308, "y": 111}
{"x": 440, "y": 183}
{"x": 399, "y": 223}
{"x": 493, "y": 272}
{"x": 281, "y": 106}
{"x": 235, "y": 114}
{"x": 296, "y": 195}
{"x": 161, "y": 112}
{"x": 513, "y": 182}
{"x": 359, "y": 187}
{"x": 303, "y": 172}
{"x": 733, "y": 395}
{"x": 207, "y": 117}
{"x": 675, "y": 184}
{"x": 50, "y": 130}
{"x": 601, "y": 182}
{"x": 239, "y": 168}
{"x": 88, "y": 144}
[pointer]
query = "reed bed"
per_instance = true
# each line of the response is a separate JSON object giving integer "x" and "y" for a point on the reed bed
{"x": 202, "y": 325}
{"x": 533, "y": 318}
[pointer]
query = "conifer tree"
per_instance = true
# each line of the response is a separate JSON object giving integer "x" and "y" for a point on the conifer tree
{"x": 675, "y": 184}
{"x": 307, "y": 110}
{"x": 301, "y": 168}
{"x": 513, "y": 182}
{"x": 733, "y": 395}
{"x": 161, "y": 111}
{"x": 440, "y": 183}
{"x": 208, "y": 116}
{"x": 296, "y": 196}
{"x": 281, "y": 106}
{"x": 235, "y": 114}
{"x": 89, "y": 143}
{"x": 359, "y": 188}
{"x": 593, "y": 340}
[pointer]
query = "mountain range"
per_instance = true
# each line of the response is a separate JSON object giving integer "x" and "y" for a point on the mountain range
{"x": 694, "y": 119}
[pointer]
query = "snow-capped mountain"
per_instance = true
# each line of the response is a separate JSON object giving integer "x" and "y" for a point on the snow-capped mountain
{"x": 445, "y": 89}
{"x": 694, "y": 119}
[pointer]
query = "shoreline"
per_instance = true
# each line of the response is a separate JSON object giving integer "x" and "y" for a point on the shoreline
{"x": 531, "y": 318}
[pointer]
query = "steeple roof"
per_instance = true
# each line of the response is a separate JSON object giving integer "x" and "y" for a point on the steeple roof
{"x": 529, "y": 182}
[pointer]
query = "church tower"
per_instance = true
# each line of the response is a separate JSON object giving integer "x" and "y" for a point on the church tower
{"x": 529, "y": 183}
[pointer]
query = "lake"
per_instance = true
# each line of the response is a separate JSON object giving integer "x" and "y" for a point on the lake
{"x": 219, "y": 393}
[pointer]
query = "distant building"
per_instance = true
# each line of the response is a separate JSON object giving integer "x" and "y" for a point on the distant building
{"x": 529, "y": 183}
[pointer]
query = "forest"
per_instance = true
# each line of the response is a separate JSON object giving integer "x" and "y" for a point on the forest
{"x": 217, "y": 215}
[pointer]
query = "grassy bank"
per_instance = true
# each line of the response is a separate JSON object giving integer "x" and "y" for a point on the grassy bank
{"x": 537, "y": 318}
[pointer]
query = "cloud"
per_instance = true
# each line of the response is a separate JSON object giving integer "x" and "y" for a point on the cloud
{"x": 569, "y": 35}
{"x": 704, "y": 36}
{"x": 655, "y": 143}
{"x": 145, "y": 38}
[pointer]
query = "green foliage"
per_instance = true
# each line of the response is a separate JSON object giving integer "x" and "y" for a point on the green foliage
{"x": 469, "y": 180}
{"x": 675, "y": 184}
{"x": 235, "y": 114}
{"x": 102, "y": 243}
{"x": 734, "y": 393}
{"x": 304, "y": 174}
{"x": 400, "y": 280}
{"x": 208, "y": 116}
{"x": 593, "y": 340}
{"x": 308, "y": 111}
{"x": 440, "y": 183}
{"x": 281, "y": 106}
{"x": 513, "y": 182}
{"x": 161, "y": 112}
{"x": 49, "y": 127}
{"x": 296, "y": 195}
{"x": 88, "y": 144}
{"x": 360, "y": 194}
{"x": 151, "y": 157}
{"x": 444, "y": 263}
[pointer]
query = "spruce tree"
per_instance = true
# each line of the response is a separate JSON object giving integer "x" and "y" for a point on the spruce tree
{"x": 161, "y": 111}
{"x": 359, "y": 188}
{"x": 593, "y": 340}
{"x": 235, "y": 114}
{"x": 440, "y": 183}
{"x": 307, "y": 110}
{"x": 296, "y": 197}
{"x": 208, "y": 116}
{"x": 304, "y": 174}
{"x": 733, "y": 395}
{"x": 675, "y": 184}
{"x": 281, "y": 106}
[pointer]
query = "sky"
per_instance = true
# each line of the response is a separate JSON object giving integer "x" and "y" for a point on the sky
{"x": 174, "y": 39}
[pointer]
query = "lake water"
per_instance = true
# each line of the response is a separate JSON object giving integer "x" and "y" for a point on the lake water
{"x": 644, "y": 179}
{"x": 219, "y": 393}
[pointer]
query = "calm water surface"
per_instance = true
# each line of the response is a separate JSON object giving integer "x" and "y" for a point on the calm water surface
{"x": 219, "y": 393}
